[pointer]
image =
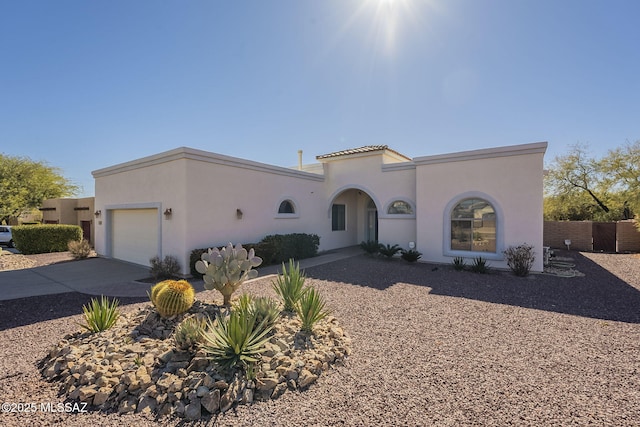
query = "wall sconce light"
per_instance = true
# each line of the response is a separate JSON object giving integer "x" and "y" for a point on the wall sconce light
{"x": 238, "y": 214}
{"x": 98, "y": 213}
{"x": 568, "y": 243}
{"x": 167, "y": 213}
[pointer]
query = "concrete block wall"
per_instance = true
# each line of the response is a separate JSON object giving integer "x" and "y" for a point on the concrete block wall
{"x": 628, "y": 236}
{"x": 579, "y": 232}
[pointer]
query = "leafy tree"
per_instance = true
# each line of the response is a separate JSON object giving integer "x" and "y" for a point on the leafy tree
{"x": 576, "y": 173}
{"x": 578, "y": 187}
{"x": 25, "y": 183}
{"x": 621, "y": 171}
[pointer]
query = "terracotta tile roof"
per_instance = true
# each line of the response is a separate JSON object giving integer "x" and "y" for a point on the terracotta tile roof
{"x": 359, "y": 150}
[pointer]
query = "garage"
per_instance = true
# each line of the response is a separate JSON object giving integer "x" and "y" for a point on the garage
{"x": 135, "y": 235}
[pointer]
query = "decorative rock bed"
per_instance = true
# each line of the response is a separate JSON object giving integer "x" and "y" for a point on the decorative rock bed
{"x": 136, "y": 367}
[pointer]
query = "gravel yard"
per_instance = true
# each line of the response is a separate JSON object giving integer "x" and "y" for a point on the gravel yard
{"x": 431, "y": 346}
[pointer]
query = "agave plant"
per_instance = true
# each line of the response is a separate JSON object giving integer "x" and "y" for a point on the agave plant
{"x": 100, "y": 315}
{"x": 188, "y": 334}
{"x": 290, "y": 285}
{"x": 311, "y": 309}
{"x": 236, "y": 341}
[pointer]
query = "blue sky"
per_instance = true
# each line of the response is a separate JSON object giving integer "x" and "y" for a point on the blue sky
{"x": 89, "y": 84}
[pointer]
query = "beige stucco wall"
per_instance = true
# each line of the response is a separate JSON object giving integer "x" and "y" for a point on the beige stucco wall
{"x": 70, "y": 211}
{"x": 509, "y": 177}
{"x": 368, "y": 176}
{"x": 205, "y": 191}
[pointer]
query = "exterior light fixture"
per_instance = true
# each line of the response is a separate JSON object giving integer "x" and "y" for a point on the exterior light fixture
{"x": 167, "y": 213}
{"x": 568, "y": 243}
{"x": 239, "y": 214}
{"x": 97, "y": 213}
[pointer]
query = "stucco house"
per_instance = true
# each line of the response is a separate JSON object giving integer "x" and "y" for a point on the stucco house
{"x": 472, "y": 203}
{"x": 71, "y": 211}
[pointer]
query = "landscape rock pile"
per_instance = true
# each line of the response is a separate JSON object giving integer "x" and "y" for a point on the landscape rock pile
{"x": 136, "y": 367}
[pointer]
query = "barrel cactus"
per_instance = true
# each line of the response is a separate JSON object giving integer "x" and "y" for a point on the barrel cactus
{"x": 171, "y": 297}
{"x": 227, "y": 268}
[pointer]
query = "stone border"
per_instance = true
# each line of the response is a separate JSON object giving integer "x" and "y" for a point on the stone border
{"x": 136, "y": 367}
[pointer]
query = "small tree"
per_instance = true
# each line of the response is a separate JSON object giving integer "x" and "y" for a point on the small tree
{"x": 24, "y": 184}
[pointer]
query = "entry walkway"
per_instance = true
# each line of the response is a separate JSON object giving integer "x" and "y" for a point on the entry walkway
{"x": 113, "y": 278}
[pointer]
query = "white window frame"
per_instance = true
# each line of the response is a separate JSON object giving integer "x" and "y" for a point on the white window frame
{"x": 386, "y": 215}
{"x": 294, "y": 203}
{"x": 446, "y": 239}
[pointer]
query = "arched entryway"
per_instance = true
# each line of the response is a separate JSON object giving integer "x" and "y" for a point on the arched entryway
{"x": 353, "y": 214}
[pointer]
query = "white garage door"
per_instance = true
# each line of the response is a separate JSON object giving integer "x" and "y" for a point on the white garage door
{"x": 134, "y": 235}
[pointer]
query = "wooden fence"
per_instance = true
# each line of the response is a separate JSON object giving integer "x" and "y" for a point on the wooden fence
{"x": 621, "y": 236}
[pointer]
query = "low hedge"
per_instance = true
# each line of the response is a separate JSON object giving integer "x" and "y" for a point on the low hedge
{"x": 273, "y": 249}
{"x": 39, "y": 239}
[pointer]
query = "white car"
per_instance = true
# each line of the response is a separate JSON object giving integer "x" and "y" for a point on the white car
{"x": 5, "y": 236}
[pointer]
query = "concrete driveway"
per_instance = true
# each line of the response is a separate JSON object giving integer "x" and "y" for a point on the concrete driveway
{"x": 113, "y": 278}
{"x": 94, "y": 276}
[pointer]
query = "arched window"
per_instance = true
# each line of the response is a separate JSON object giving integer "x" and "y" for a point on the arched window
{"x": 473, "y": 226}
{"x": 286, "y": 207}
{"x": 400, "y": 207}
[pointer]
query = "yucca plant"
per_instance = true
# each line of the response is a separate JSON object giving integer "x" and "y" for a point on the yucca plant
{"x": 100, "y": 315}
{"x": 188, "y": 334}
{"x": 480, "y": 265}
{"x": 458, "y": 263}
{"x": 311, "y": 309}
{"x": 264, "y": 308}
{"x": 235, "y": 341}
{"x": 388, "y": 250}
{"x": 290, "y": 285}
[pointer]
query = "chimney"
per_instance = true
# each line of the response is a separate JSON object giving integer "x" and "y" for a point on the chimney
{"x": 299, "y": 160}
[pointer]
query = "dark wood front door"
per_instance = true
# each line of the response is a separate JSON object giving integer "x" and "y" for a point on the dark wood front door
{"x": 86, "y": 230}
{"x": 604, "y": 236}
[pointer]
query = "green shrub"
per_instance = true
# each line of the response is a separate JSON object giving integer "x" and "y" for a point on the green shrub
{"x": 188, "y": 334}
{"x": 281, "y": 247}
{"x": 164, "y": 269}
{"x": 289, "y": 285}
{"x": 480, "y": 265}
{"x": 235, "y": 341}
{"x": 80, "y": 249}
{"x": 388, "y": 250}
{"x": 273, "y": 249}
{"x": 459, "y": 263}
{"x": 371, "y": 247}
{"x": 520, "y": 259}
{"x": 38, "y": 239}
{"x": 100, "y": 315}
{"x": 311, "y": 309}
{"x": 411, "y": 255}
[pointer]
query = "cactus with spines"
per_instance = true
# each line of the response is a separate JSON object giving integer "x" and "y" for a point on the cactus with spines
{"x": 227, "y": 268}
{"x": 171, "y": 297}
